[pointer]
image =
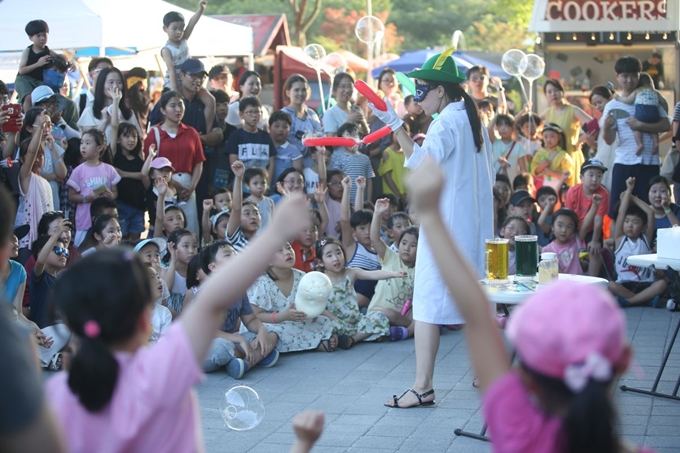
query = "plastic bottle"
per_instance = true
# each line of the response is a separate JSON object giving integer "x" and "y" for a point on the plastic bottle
{"x": 548, "y": 268}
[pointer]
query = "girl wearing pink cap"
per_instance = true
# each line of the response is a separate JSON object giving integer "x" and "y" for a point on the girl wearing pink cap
{"x": 558, "y": 399}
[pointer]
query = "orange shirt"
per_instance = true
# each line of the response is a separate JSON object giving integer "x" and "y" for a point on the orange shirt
{"x": 580, "y": 203}
{"x": 304, "y": 261}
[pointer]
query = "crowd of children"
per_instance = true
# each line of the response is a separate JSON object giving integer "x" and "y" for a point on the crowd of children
{"x": 357, "y": 228}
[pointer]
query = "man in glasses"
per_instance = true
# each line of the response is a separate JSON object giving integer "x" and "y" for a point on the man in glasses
{"x": 479, "y": 81}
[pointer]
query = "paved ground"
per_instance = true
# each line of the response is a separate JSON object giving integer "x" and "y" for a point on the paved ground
{"x": 351, "y": 386}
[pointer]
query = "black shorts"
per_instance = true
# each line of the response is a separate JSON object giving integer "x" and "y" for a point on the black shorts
{"x": 365, "y": 288}
{"x": 636, "y": 287}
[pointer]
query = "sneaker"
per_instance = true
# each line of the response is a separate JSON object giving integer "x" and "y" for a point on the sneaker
{"x": 671, "y": 305}
{"x": 236, "y": 368}
{"x": 654, "y": 303}
{"x": 270, "y": 360}
{"x": 398, "y": 333}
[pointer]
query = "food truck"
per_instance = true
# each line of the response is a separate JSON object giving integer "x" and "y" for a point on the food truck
{"x": 582, "y": 39}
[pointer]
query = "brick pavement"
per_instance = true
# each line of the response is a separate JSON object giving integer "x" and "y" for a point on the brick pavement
{"x": 351, "y": 386}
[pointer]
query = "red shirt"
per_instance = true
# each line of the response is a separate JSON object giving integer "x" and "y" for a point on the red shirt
{"x": 185, "y": 151}
{"x": 303, "y": 261}
{"x": 580, "y": 203}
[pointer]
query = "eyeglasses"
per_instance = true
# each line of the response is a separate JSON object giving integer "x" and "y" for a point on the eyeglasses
{"x": 61, "y": 251}
{"x": 252, "y": 113}
{"x": 421, "y": 91}
{"x": 476, "y": 77}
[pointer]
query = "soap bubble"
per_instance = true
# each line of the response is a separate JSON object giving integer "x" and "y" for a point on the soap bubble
{"x": 241, "y": 408}
{"x": 336, "y": 61}
{"x": 511, "y": 61}
{"x": 369, "y": 29}
{"x": 316, "y": 53}
{"x": 532, "y": 67}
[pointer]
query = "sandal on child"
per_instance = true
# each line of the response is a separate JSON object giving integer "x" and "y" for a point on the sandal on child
{"x": 420, "y": 397}
{"x": 325, "y": 345}
{"x": 398, "y": 333}
{"x": 56, "y": 363}
{"x": 345, "y": 342}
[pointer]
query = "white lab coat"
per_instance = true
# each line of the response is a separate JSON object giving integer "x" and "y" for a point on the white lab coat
{"x": 466, "y": 207}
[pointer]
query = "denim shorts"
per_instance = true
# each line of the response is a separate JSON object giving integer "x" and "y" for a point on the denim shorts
{"x": 647, "y": 113}
{"x": 131, "y": 219}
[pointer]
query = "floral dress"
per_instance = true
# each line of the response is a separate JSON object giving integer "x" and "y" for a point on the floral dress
{"x": 293, "y": 335}
{"x": 343, "y": 303}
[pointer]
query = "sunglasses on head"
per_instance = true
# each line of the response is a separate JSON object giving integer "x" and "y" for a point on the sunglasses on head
{"x": 61, "y": 251}
{"x": 421, "y": 91}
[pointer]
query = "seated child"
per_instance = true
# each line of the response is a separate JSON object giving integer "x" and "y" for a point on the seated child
{"x": 391, "y": 295}
{"x": 161, "y": 318}
{"x": 238, "y": 352}
{"x": 221, "y": 201}
{"x": 581, "y": 196}
{"x": 647, "y": 101}
{"x": 356, "y": 240}
{"x": 524, "y": 181}
{"x": 105, "y": 233}
{"x": 513, "y": 226}
{"x": 546, "y": 197}
{"x": 633, "y": 234}
{"x": 397, "y": 223}
{"x": 569, "y": 242}
{"x": 160, "y": 173}
{"x": 333, "y": 203}
{"x": 392, "y": 170}
{"x": 522, "y": 205}
{"x": 182, "y": 246}
{"x": 303, "y": 245}
{"x": 504, "y": 187}
{"x": 273, "y": 298}
{"x": 99, "y": 207}
{"x": 551, "y": 162}
{"x": 176, "y": 52}
{"x": 244, "y": 220}
{"x": 255, "y": 179}
{"x": 287, "y": 155}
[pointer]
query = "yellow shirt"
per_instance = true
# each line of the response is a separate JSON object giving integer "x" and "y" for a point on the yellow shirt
{"x": 393, "y": 162}
{"x": 393, "y": 293}
{"x": 561, "y": 162}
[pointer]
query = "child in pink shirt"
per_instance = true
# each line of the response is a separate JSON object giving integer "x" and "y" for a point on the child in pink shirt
{"x": 122, "y": 396}
{"x": 569, "y": 241}
{"x": 559, "y": 398}
{"x": 90, "y": 180}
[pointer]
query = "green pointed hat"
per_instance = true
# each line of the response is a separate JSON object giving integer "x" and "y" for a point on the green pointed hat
{"x": 440, "y": 68}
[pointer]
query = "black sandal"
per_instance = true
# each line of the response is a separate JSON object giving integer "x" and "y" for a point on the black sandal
{"x": 326, "y": 345}
{"x": 420, "y": 397}
{"x": 345, "y": 342}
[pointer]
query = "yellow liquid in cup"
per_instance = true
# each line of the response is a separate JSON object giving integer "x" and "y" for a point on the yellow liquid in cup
{"x": 497, "y": 259}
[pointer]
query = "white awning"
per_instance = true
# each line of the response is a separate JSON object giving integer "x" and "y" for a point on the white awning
{"x": 551, "y": 16}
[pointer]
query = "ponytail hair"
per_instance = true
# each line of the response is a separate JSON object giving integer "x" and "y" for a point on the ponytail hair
{"x": 589, "y": 423}
{"x": 455, "y": 91}
{"x": 101, "y": 312}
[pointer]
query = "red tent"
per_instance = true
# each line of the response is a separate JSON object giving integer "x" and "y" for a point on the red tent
{"x": 292, "y": 60}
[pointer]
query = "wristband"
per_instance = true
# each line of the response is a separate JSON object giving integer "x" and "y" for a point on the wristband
{"x": 273, "y": 320}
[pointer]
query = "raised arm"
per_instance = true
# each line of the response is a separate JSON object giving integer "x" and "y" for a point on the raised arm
{"x": 651, "y": 221}
{"x": 381, "y": 207}
{"x": 144, "y": 175}
{"x": 162, "y": 188}
{"x": 545, "y": 214}
{"x": 320, "y": 197}
{"x": 356, "y": 273}
{"x": 623, "y": 207}
{"x": 64, "y": 225}
{"x": 359, "y": 195}
{"x": 227, "y": 284}
{"x": 321, "y": 164}
{"x": 33, "y": 148}
{"x": 237, "y": 198}
{"x": 194, "y": 19}
{"x": 490, "y": 359}
{"x": 589, "y": 219}
{"x": 345, "y": 214}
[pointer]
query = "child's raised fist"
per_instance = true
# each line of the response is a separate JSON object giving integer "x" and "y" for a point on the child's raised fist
{"x": 238, "y": 168}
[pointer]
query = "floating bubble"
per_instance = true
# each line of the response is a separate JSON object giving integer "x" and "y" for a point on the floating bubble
{"x": 315, "y": 52}
{"x": 511, "y": 61}
{"x": 336, "y": 61}
{"x": 369, "y": 29}
{"x": 532, "y": 67}
{"x": 241, "y": 408}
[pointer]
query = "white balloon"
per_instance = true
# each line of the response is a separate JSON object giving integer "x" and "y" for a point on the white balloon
{"x": 532, "y": 67}
{"x": 369, "y": 29}
{"x": 241, "y": 408}
{"x": 511, "y": 60}
{"x": 312, "y": 294}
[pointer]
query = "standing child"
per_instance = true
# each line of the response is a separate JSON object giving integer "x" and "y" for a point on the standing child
{"x": 559, "y": 398}
{"x": 391, "y": 295}
{"x": 552, "y": 162}
{"x": 244, "y": 220}
{"x": 90, "y": 180}
{"x": 176, "y": 51}
{"x": 237, "y": 352}
{"x": 287, "y": 155}
{"x": 250, "y": 145}
{"x": 509, "y": 155}
{"x": 99, "y": 401}
{"x": 569, "y": 242}
{"x": 352, "y": 163}
{"x": 647, "y": 101}
{"x": 255, "y": 179}
{"x": 356, "y": 240}
{"x": 182, "y": 246}
{"x": 393, "y": 171}
{"x": 315, "y": 175}
{"x": 349, "y": 322}
{"x": 530, "y": 140}
{"x": 633, "y": 234}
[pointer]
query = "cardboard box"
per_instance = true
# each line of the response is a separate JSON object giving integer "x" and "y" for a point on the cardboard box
{"x": 668, "y": 243}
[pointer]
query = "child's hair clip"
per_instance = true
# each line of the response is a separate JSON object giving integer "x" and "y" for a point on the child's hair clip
{"x": 91, "y": 329}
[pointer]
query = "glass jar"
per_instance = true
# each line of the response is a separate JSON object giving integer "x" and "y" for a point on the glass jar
{"x": 548, "y": 269}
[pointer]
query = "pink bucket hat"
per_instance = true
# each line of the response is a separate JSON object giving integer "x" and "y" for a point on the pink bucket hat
{"x": 162, "y": 162}
{"x": 569, "y": 331}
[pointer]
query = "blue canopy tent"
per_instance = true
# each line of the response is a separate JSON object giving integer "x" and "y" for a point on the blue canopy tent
{"x": 415, "y": 59}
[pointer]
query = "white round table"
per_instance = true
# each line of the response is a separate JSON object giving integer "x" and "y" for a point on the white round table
{"x": 515, "y": 292}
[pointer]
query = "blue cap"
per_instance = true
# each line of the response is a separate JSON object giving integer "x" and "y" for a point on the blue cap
{"x": 193, "y": 66}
